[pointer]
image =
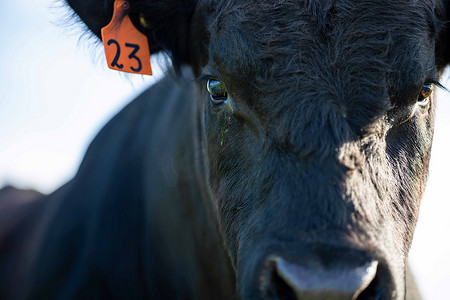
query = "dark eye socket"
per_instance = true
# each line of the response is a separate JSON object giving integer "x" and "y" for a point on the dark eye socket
{"x": 217, "y": 91}
{"x": 425, "y": 94}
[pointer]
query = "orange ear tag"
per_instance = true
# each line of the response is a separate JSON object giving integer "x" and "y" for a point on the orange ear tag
{"x": 126, "y": 48}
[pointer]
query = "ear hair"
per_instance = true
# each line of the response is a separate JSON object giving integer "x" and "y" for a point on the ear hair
{"x": 95, "y": 14}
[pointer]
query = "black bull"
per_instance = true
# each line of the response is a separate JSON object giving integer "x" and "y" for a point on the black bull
{"x": 291, "y": 168}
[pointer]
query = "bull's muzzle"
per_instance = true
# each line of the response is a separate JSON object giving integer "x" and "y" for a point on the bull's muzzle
{"x": 285, "y": 279}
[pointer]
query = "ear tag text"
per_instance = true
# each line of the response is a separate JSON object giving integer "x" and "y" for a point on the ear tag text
{"x": 126, "y": 48}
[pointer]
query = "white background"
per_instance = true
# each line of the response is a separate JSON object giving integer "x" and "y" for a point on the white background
{"x": 56, "y": 93}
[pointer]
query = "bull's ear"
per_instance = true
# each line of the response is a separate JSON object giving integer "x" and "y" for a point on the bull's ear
{"x": 443, "y": 42}
{"x": 165, "y": 22}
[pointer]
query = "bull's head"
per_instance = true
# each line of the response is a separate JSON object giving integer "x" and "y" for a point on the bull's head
{"x": 317, "y": 122}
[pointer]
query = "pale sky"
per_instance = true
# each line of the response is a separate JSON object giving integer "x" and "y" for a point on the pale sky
{"x": 57, "y": 93}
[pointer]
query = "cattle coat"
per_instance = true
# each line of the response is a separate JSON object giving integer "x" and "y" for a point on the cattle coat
{"x": 316, "y": 169}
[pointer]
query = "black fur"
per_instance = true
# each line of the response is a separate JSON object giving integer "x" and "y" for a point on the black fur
{"x": 319, "y": 156}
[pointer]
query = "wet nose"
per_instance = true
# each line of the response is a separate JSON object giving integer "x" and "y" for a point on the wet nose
{"x": 287, "y": 280}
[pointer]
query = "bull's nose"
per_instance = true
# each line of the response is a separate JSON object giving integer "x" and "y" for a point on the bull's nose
{"x": 290, "y": 281}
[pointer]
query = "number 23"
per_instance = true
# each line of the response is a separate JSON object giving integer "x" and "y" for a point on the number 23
{"x": 132, "y": 55}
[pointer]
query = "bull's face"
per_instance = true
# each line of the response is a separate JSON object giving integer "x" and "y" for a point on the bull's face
{"x": 317, "y": 122}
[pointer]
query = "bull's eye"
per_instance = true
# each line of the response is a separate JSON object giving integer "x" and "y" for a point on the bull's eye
{"x": 422, "y": 102}
{"x": 425, "y": 94}
{"x": 217, "y": 91}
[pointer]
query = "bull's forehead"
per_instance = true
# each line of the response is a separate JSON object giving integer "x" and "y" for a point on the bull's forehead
{"x": 350, "y": 47}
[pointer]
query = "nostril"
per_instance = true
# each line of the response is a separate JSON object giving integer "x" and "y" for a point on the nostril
{"x": 291, "y": 281}
{"x": 374, "y": 291}
{"x": 277, "y": 287}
